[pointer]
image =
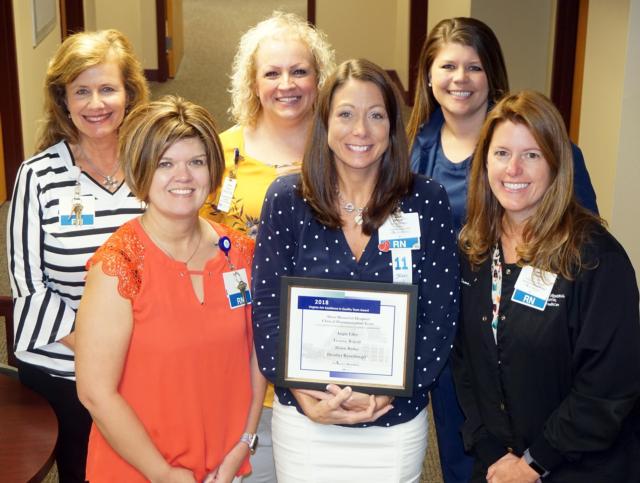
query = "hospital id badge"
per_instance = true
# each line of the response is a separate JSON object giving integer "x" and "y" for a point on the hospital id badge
{"x": 76, "y": 210}
{"x": 236, "y": 286}
{"x": 226, "y": 194}
{"x": 400, "y": 231}
{"x": 533, "y": 287}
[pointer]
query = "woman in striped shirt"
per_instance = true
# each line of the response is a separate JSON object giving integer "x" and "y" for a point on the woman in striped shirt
{"x": 66, "y": 202}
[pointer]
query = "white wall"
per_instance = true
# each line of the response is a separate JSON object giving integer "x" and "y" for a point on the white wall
{"x": 524, "y": 30}
{"x": 602, "y": 90}
{"x": 89, "y": 7}
{"x": 401, "y": 55}
{"x": 626, "y": 198}
{"x": 32, "y": 67}
{"x": 441, "y": 9}
{"x": 137, "y": 20}
{"x": 377, "y": 30}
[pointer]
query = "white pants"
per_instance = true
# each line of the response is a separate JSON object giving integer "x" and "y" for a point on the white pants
{"x": 308, "y": 452}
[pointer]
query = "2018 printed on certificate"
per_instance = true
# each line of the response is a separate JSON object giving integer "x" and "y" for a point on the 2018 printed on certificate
{"x": 349, "y": 333}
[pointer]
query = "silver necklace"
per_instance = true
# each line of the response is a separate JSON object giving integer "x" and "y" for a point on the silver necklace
{"x": 110, "y": 181}
{"x": 350, "y": 207}
{"x": 167, "y": 252}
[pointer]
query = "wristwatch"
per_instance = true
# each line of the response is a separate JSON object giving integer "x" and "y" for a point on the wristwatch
{"x": 534, "y": 465}
{"x": 251, "y": 440}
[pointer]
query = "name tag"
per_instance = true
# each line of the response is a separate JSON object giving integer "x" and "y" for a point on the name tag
{"x": 400, "y": 231}
{"x": 236, "y": 286}
{"x": 533, "y": 287}
{"x": 226, "y": 194}
{"x": 76, "y": 210}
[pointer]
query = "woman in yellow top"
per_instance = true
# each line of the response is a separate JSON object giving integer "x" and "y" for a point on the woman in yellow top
{"x": 277, "y": 71}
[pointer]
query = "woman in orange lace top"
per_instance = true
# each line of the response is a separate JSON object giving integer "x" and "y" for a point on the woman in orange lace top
{"x": 165, "y": 357}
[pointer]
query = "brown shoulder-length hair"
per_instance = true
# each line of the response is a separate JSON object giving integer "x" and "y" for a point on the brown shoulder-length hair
{"x": 553, "y": 235}
{"x": 152, "y": 128}
{"x": 465, "y": 31}
{"x": 76, "y": 54}
{"x": 319, "y": 175}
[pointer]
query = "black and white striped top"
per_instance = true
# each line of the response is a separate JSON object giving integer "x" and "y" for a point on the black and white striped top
{"x": 47, "y": 257}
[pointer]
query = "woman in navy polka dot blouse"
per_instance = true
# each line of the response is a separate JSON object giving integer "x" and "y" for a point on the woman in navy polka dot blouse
{"x": 324, "y": 223}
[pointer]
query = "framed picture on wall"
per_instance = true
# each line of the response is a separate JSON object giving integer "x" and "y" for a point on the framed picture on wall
{"x": 44, "y": 19}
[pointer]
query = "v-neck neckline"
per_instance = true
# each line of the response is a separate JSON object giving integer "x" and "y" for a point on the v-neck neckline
{"x": 91, "y": 178}
{"x": 179, "y": 267}
{"x": 365, "y": 253}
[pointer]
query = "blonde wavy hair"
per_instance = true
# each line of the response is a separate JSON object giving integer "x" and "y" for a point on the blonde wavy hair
{"x": 245, "y": 104}
{"x": 554, "y": 235}
{"x": 75, "y": 55}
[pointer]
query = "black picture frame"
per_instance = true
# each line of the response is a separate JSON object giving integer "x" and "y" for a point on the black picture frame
{"x": 324, "y": 287}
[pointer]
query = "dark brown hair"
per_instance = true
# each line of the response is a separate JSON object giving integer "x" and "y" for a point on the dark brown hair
{"x": 465, "y": 31}
{"x": 553, "y": 235}
{"x": 319, "y": 175}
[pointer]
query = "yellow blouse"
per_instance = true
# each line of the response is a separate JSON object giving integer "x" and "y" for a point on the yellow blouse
{"x": 253, "y": 179}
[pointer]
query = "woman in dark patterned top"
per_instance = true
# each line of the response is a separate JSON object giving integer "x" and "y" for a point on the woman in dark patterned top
{"x": 327, "y": 223}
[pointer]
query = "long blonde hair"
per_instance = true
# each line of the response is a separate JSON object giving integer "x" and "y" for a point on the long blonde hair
{"x": 75, "y": 55}
{"x": 554, "y": 234}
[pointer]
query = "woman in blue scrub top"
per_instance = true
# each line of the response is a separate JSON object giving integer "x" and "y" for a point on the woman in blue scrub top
{"x": 461, "y": 75}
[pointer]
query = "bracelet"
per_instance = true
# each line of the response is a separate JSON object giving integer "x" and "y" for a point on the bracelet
{"x": 534, "y": 465}
{"x": 251, "y": 440}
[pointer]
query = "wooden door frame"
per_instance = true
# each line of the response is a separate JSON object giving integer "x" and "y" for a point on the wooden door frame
{"x": 564, "y": 57}
{"x": 10, "y": 98}
{"x": 71, "y": 17}
{"x": 161, "y": 74}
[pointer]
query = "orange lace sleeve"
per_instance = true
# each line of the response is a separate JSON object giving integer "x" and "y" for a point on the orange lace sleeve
{"x": 122, "y": 256}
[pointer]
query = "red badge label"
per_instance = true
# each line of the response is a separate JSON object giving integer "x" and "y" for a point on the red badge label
{"x": 384, "y": 246}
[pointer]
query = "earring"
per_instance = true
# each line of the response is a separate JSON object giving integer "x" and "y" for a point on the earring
{"x": 429, "y": 84}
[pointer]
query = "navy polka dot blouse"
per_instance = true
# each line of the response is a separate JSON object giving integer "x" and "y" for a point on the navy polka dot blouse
{"x": 292, "y": 242}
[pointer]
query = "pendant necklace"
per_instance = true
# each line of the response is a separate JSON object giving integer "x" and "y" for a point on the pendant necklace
{"x": 167, "y": 252}
{"x": 109, "y": 180}
{"x": 350, "y": 207}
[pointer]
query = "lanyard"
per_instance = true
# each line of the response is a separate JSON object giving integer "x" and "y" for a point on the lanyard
{"x": 496, "y": 289}
{"x": 225, "y": 245}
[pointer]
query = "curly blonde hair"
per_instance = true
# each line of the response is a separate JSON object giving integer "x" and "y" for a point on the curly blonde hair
{"x": 245, "y": 104}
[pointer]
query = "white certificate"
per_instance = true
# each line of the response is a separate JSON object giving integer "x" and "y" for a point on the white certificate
{"x": 360, "y": 334}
